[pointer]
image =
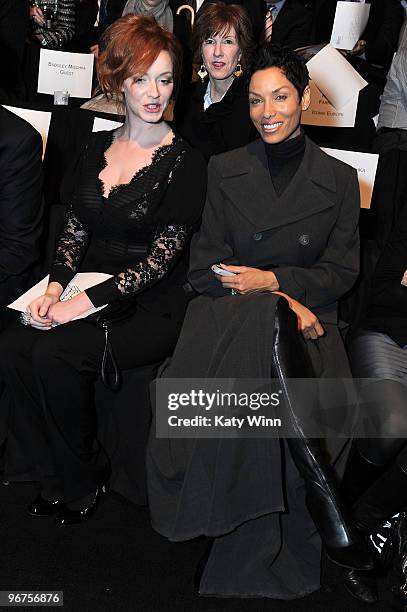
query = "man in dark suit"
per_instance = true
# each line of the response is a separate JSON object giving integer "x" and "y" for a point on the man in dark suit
{"x": 293, "y": 25}
{"x": 20, "y": 206}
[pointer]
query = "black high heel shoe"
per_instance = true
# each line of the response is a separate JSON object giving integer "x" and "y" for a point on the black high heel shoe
{"x": 67, "y": 517}
{"x": 361, "y": 585}
{"x": 43, "y": 507}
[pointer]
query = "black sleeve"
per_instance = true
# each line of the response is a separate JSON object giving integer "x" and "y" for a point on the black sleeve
{"x": 337, "y": 268}
{"x": 386, "y": 289}
{"x": 178, "y": 214}
{"x": 382, "y": 31}
{"x": 72, "y": 243}
{"x": 20, "y": 203}
{"x": 293, "y": 25}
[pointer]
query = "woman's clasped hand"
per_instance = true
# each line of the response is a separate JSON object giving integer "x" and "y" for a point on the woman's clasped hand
{"x": 48, "y": 310}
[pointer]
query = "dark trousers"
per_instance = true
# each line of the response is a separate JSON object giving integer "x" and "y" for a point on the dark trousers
{"x": 50, "y": 378}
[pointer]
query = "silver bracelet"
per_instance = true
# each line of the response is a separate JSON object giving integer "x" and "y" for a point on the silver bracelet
{"x": 25, "y": 318}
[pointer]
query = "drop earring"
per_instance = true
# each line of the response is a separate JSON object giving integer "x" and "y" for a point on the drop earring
{"x": 238, "y": 71}
{"x": 202, "y": 73}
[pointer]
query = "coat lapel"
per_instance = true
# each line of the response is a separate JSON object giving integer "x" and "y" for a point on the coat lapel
{"x": 248, "y": 185}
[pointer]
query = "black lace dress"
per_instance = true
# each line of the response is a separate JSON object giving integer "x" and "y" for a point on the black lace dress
{"x": 139, "y": 234}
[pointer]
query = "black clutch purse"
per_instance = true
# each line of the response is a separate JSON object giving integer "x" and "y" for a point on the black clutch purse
{"x": 105, "y": 319}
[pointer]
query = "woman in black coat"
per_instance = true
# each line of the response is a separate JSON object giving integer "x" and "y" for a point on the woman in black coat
{"x": 213, "y": 115}
{"x": 282, "y": 216}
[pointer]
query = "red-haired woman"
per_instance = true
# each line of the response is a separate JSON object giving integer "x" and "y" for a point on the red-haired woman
{"x": 133, "y": 198}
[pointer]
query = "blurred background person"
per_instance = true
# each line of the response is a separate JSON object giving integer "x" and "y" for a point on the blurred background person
{"x": 52, "y": 26}
{"x": 20, "y": 207}
{"x": 159, "y": 9}
{"x": 14, "y": 22}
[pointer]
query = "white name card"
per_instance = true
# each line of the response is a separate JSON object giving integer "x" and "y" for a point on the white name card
{"x": 335, "y": 77}
{"x": 366, "y": 166}
{"x": 40, "y": 121}
{"x": 321, "y": 112}
{"x": 349, "y": 24}
{"x": 62, "y": 71}
{"x": 100, "y": 124}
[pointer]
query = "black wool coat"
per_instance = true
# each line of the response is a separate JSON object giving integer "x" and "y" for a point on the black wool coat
{"x": 308, "y": 236}
{"x": 224, "y": 126}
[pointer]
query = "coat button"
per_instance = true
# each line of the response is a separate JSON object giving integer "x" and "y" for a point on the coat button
{"x": 304, "y": 239}
{"x": 257, "y": 236}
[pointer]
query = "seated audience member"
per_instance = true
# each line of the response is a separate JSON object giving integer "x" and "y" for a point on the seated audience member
{"x": 376, "y": 476}
{"x": 392, "y": 123}
{"x": 53, "y": 23}
{"x": 379, "y": 40}
{"x": 20, "y": 207}
{"x": 289, "y": 24}
{"x": 159, "y": 9}
{"x": 133, "y": 195}
{"x": 282, "y": 216}
{"x": 52, "y": 27}
{"x": 213, "y": 115}
{"x": 14, "y": 21}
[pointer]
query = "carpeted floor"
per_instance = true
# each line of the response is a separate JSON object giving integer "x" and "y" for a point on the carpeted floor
{"x": 116, "y": 562}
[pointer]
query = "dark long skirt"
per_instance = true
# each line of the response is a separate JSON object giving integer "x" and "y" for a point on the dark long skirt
{"x": 244, "y": 493}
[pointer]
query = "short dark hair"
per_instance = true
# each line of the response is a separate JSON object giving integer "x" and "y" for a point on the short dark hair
{"x": 276, "y": 56}
{"x": 216, "y": 18}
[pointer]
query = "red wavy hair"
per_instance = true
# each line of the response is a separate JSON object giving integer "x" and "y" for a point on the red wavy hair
{"x": 129, "y": 47}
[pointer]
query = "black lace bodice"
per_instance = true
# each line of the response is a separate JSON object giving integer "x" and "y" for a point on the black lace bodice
{"x": 138, "y": 231}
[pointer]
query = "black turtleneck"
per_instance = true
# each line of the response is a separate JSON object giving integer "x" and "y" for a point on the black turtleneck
{"x": 284, "y": 159}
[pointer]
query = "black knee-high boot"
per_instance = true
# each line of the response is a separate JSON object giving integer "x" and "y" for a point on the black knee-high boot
{"x": 332, "y": 519}
{"x": 342, "y": 541}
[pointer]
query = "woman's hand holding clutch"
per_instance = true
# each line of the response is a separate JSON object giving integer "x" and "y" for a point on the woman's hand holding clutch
{"x": 248, "y": 280}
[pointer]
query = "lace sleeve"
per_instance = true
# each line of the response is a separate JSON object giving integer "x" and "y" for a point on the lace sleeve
{"x": 167, "y": 245}
{"x": 71, "y": 245}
